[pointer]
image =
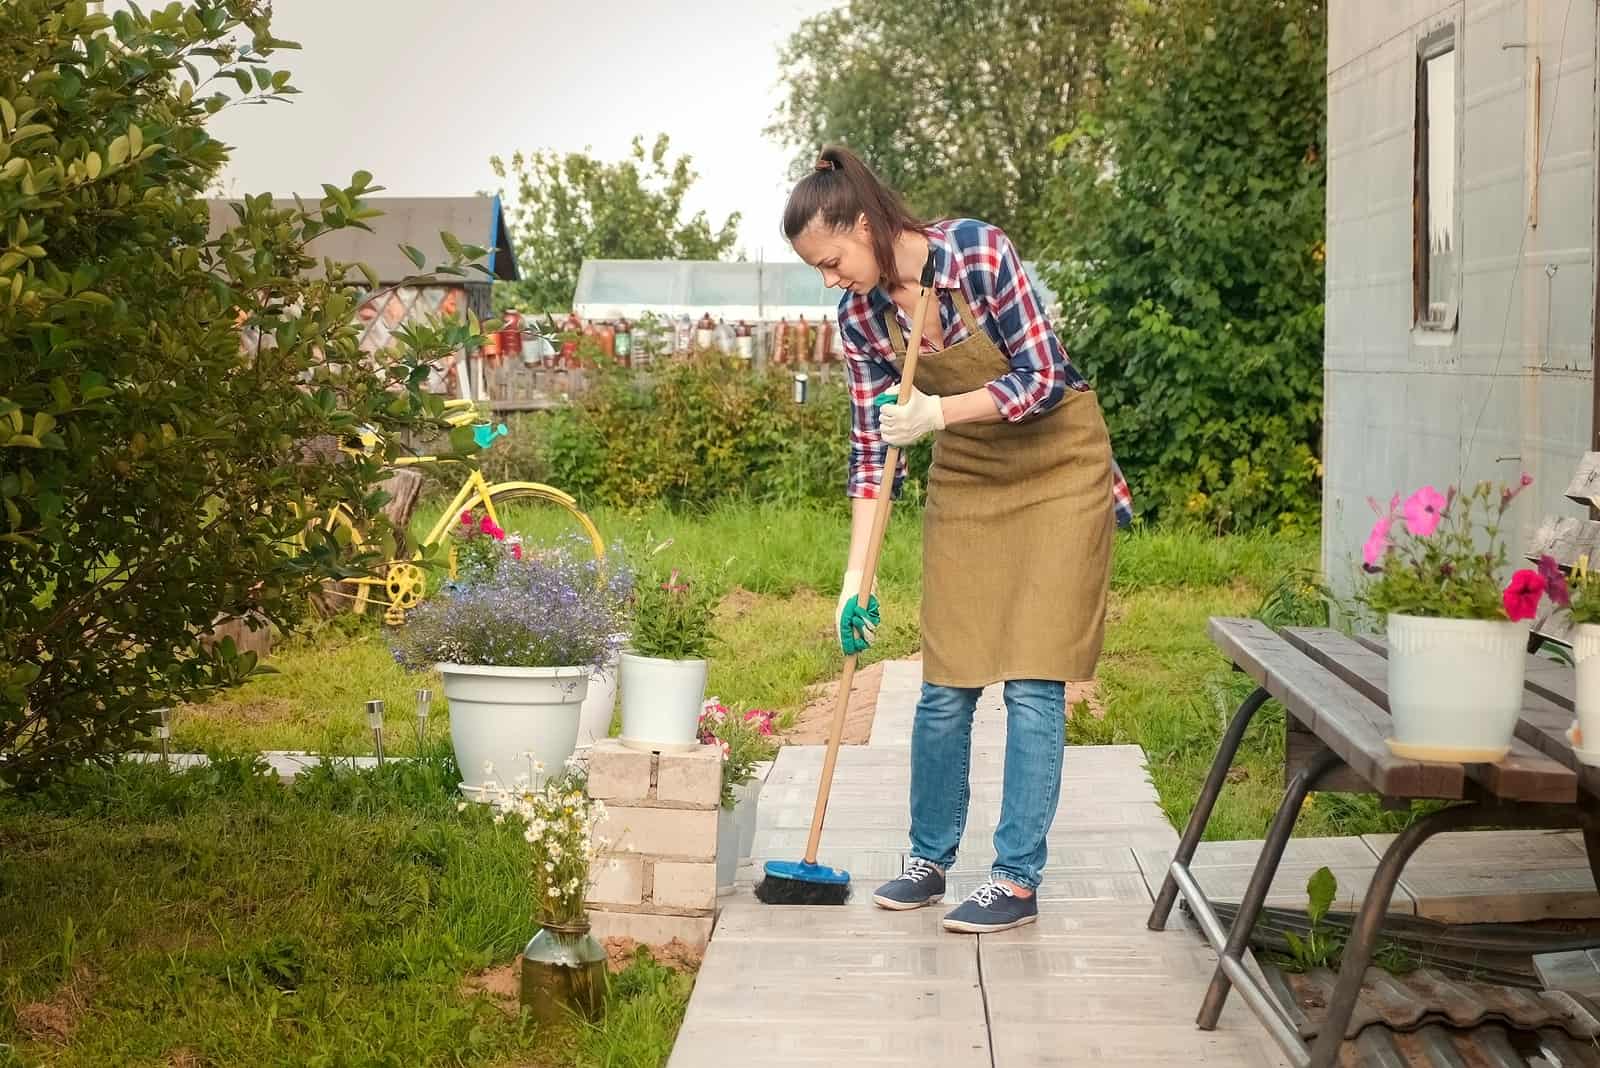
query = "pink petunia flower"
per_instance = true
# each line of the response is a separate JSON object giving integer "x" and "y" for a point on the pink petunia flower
{"x": 1555, "y": 582}
{"x": 1423, "y": 511}
{"x": 1521, "y": 597}
{"x": 466, "y": 519}
{"x": 1377, "y": 543}
{"x": 516, "y": 552}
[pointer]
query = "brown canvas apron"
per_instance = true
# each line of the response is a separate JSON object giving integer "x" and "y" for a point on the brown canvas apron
{"x": 1016, "y": 539}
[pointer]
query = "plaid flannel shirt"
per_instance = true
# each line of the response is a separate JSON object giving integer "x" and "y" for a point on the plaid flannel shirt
{"x": 979, "y": 260}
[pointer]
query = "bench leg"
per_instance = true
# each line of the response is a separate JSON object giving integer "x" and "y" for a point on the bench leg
{"x": 1195, "y": 829}
{"x": 1255, "y": 894}
{"x": 1369, "y": 922}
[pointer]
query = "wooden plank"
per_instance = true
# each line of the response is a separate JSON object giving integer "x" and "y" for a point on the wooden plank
{"x": 1525, "y": 774}
{"x": 1566, "y": 538}
{"x": 1346, "y": 721}
{"x": 1301, "y": 747}
{"x": 1584, "y": 488}
{"x": 1544, "y": 720}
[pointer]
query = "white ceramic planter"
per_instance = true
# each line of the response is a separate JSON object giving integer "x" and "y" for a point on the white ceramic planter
{"x": 499, "y": 713}
{"x": 1586, "y": 651}
{"x": 744, "y": 814}
{"x": 661, "y": 702}
{"x": 727, "y": 848}
{"x": 594, "y": 722}
{"x": 1455, "y": 687}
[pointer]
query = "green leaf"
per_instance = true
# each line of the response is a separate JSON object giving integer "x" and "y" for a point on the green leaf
{"x": 60, "y": 393}
{"x": 135, "y": 139}
{"x": 43, "y": 423}
{"x": 1321, "y": 889}
{"x": 414, "y": 255}
{"x": 8, "y": 114}
{"x": 117, "y": 154}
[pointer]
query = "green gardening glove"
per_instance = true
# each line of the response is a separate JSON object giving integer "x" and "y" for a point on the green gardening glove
{"x": 856, "y": 624}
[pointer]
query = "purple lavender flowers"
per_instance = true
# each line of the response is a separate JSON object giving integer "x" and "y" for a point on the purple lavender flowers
{"x": 555, "y": 607}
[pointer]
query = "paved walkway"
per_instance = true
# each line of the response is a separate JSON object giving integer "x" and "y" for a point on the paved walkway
{"x": 855, "y": 985}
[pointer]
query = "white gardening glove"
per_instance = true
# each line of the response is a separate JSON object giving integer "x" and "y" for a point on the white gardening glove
{"x": 904, "y": 424}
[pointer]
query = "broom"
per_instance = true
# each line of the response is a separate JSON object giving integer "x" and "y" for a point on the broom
{"x": 806, "y": 882}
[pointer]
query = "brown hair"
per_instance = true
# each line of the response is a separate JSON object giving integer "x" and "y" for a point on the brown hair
{"x": 840, "y": 190}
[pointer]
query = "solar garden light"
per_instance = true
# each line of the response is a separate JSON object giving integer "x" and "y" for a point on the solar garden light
{"x": 424, "y": 700}
{"x": 164, "y": 735}
{"x": 802, "y": 383}
{"x": 375, "y": 721}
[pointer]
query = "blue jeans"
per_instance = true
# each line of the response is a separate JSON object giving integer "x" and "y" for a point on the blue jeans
{"x": 941, "y": 756}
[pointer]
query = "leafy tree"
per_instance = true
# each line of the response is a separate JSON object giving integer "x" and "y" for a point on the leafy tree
{"x": 159, "y": 384}
{"x": 957, "y": 105}
{"x": 1189, "y": 244}
{"x": 570, "y": 207}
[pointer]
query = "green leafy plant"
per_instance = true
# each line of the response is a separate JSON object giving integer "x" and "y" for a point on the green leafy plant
{"x": 1579, "y": 593}
{"x": 1319, "y": 948}
{"x": 673, "y": 617}
{"x": 1432, "y": 556}
{"x": 745, "y": 742}
{"x": 164, "y": 375}
{"x": 1187, "y": 251}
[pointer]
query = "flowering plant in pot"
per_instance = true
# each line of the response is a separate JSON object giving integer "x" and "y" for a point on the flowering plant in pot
{"x": 664, "y": 665}
{"x": 1580, "y": 596}
{"x": 516, "y": 646}
{"x": 563, "y": 966}
{"x": 1457, "y": 636}
{"x": 746, "y": 741}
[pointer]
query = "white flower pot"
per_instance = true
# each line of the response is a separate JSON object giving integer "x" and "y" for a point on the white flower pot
{"x": 594, "y": 723}
{"x": 661, "y": 702}
{"x": 727, "y": 849}
{"x": 1455, "y": 687}
{"x": 1586, "y": 651}
{"x": 498, "y": 714}
{"x": 744, "y": 814}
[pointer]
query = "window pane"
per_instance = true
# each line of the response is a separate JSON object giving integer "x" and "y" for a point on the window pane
{"x": 1440, "y": 222}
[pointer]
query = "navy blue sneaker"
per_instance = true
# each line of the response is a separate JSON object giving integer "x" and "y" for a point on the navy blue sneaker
{"x": 992, "y": 907}
{"x": 920, "y": 884}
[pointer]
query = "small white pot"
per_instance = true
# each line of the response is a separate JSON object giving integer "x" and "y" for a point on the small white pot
{"x": 1586, "y": 651}
{"x": 594, "y": 723}
{"x": 744, "y": 814}
{"x": 727, "y": 849}
{"x": 497, "y": 714}
{"x": 1455, "y": 687}
{"x": 661, "y": 702}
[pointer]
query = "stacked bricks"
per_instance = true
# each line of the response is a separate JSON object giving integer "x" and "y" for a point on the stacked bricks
{"x": 661, "y": 821}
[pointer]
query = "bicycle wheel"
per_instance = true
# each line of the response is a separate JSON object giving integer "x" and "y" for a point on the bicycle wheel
{"x": 538, "y": 512}
{"x": 337, "y": 595}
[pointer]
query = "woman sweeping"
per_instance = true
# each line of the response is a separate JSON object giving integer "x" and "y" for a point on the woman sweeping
{"x": 1022, "y": 500}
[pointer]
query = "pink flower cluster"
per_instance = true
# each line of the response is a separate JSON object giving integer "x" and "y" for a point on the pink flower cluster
{"x": 715, "y": 716}
{"x": 1423, "y": 511}
{"x": 488, "y": 528}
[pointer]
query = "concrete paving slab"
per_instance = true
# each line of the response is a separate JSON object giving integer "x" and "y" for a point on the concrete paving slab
{"x": 1472, "y": 848}
{"x": 1161, "y": 956}
{"x": 1288, "y": 889}
{"x": 806, "y": 959}
{"x": 1085, "y": 1044}
{"x": 1058, "y": 887}
{"x": 1505, "y": 894}
{"x": 750, "y": 921}
{"x": 1300, "y": 851}
{"x": 859, "y": 1043}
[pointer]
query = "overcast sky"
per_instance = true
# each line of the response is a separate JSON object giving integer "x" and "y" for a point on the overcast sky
{"x": 422, "y": 94}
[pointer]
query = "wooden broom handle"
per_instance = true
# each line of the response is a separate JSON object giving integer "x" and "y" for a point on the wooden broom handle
{"x": 869, "y": 571}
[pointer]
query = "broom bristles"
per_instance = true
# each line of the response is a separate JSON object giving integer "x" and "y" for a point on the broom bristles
{"x": 776, "y": 890}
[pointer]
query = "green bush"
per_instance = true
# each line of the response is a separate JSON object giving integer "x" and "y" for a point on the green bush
{"x": 1190, "y": 251}
{"x": 697, "y": 432}
{"x": 160, "y": 385}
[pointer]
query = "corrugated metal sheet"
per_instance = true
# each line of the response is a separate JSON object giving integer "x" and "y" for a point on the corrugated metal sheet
{"x": 1427, "y": 1019}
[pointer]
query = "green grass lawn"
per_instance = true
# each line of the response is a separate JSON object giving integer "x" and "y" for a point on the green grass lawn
{"x": 214, "y": 918}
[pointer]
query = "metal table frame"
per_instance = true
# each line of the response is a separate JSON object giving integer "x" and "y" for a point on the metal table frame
{"x": 1482, "y": 811}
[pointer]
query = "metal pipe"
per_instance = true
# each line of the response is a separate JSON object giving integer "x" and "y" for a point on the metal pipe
{"x": 1255, "y": 894}
{"x": 1201, "y": 815}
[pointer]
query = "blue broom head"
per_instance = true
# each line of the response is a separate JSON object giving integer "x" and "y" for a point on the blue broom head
{"x": 801, "y": 872}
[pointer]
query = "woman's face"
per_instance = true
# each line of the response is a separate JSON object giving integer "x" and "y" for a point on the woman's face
{"x": 843, "y": 256}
